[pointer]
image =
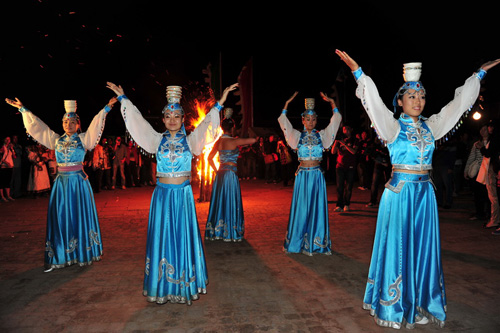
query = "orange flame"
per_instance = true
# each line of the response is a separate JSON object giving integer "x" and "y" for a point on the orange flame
{"x": 203, "y": 169}
{"x": 201, "y": 109}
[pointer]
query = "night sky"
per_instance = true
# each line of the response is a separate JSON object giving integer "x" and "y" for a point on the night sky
{"x": 57, "y": 50}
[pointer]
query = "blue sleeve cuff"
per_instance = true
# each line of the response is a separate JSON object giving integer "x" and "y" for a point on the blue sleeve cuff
{"x": 22, "y": 109}
{"x": 121, "y": 97}
{"x": 107, "y": 108}
{"x": 284, "y": 111}
{"x": 336, "y": 110}
{"x": 218, "y": 106}
{"x": 481, "y": 74}
{"x": 357, "y": 73}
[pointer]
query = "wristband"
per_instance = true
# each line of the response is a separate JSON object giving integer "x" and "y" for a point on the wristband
{"x": 357, "y": 73}
{"x": 481, "y": 74}
{"x": 218, "y": 106}
{"x": 121, "y": 97}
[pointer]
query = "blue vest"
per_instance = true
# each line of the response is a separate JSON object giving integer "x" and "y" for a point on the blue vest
{"x": 310, "y": 146}
{"x": 69, "y": 150}
{"x": 413, "y": 147}
{"x": 173, "y": 157}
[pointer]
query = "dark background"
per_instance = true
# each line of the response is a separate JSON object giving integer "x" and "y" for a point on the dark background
{"x": 57, "y": 50}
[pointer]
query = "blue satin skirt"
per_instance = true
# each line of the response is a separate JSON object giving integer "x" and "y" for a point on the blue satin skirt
{"x": 405, "y": 279}
{"x": 308, "y": 231}
{"x": 225, "y": 217}
{"x": 175, "y": 261}
{"x": 73, "y": 235}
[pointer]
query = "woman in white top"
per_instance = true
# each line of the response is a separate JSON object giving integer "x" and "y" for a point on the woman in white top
{"x": 405, "y": 282}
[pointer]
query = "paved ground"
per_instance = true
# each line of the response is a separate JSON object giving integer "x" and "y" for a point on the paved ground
{"x": 254, "y": 286}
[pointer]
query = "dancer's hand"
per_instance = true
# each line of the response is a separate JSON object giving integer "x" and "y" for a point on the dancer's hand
{"x": 347, "y": 59}
{"x": 289, "y": 100}
{"x": 328, "y": 99}
{"x": 226, "y": 92}
{"x": 118, "y": 90}
{"x": 112, "y": 101}
{"x": 490, "y": 64}
{"x": 15, "y": 103}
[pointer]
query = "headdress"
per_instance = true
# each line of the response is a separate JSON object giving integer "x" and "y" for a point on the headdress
{"x": 227, "y": 123}
{"x": 309, "y": 103}
{"x": 228, "y": 113}
{"x": 70, "y": 107}
{"x": 174, "y": 95}
{"x": 411, "y": 75}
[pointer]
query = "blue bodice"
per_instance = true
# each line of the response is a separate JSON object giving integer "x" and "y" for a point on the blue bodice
{"x": 231, "y": 156}
{"x": 310, "y": 146}
{"x": 173, "y": 156}
{"x": 69, "y": 150}
{"x": 413, "y": 147}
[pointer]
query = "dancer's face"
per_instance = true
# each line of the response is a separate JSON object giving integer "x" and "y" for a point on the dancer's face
{"x": 309, "y": 122}
{"x": 70, "y": 126}
{"x": 173, "y": 121}
{"x": 413, "y": 103}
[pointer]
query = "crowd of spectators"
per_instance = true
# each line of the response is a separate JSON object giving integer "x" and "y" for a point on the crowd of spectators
{"x": 357, "y": 156}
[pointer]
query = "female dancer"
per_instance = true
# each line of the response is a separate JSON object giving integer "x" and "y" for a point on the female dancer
{"x": 405, "y": 281}
{"x": 308, "y": 231}
{"x": 73, "y": 233}
{"x": 175, "y": 261}
{"x": 225, "y": 217}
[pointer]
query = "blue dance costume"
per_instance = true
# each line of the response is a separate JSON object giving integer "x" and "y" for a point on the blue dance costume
{"x": 225, "y": 217}
{"x": 73, "y": 235}
{"x": 308, "y": 230}
{"x": 405, "y": 279}
{"x": 175, "y": 261}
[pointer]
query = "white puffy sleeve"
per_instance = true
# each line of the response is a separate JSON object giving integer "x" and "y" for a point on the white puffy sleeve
{"x": 292, "y": 136}
{"x": 465, "y": 97}
{"x": 38, "y": 130}
{"x": 328, "y": 134}
{"x": 91, "y": 137}
{"x": 382, "y": 118}
{"x": 139, "y": 128}
{"x": 206, "y": 132}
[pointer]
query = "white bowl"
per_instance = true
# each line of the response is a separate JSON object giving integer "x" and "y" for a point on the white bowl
{"x": 412, "y": 71}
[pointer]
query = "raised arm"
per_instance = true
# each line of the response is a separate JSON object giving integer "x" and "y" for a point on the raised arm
{"x": 382, "y": 118}
{"x": 91, "y": 137}
{"x": 226, "y": 92}
{"x": 328, "y": 134}
{"x": 35, "y": 127}
{"x": 141, "y": 130}
{"x": 208, "y": 130}
{"x": 292, "y": 136}
{"x": 465, "y": 97}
